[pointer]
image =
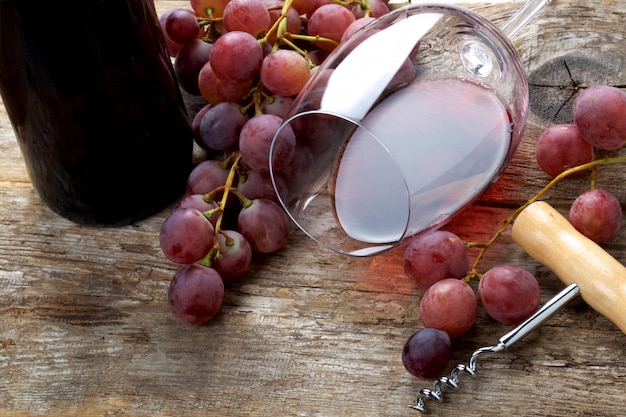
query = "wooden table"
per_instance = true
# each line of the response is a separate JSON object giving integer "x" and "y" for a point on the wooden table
{"x": 85, "y": 329}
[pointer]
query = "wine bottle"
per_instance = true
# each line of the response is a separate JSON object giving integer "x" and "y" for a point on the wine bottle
{"x": 92, "y": 97}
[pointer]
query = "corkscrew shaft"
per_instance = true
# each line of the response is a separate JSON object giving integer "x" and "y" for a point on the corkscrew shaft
{"x": 543, "y": 314}
{"x": 530, "y": 324}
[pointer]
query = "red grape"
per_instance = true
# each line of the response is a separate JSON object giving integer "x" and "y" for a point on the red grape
{"x": 404, "y": 75}
{"x": 284, "y": 72}
{"x": 206, "y": 176}
{"x": 186, "y": 236}
{"x": 248, "y": 16}
{"x": 256, "y": 139}
{"x": 254, "y": 184}
{"x": 435, "y": 255}
{"x": 220, "y": 126}
{"x": 597, "y": 214}
{"x": 600, "y": 114}
{"x": 329, "y": 21}
{"x": 355, "y": 26}
{"x": 317, "y": 4}
{"x": 426, "y": 353}
{"x": 509, "y": 294}
{"x": 215, "y": 90}
{"x": 235, "y": 255}
{"x": 315, "y": 131}
{"x": 449, "y": 305}
{"x": 196, "y": 294}
{"x": 189, "y": 61}
{"x": 277, "y": 105}
{"x": 195, "y": 124}
{"x": 265, "y": 225}
{"x": 300, "y": 167}
{"x": 304, "y": 7}
{"x": 197, "y": 201}
{"x": 181, "y": 25}
{"x": 172, "y": 47}
{"x": 236, "y": 57}
{"x": 561, "y": 147}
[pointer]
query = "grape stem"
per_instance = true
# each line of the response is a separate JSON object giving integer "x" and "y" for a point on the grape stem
{"x": 283, "y": 37}
{"x": 226, "y": 189}
{"x": 278, "y": 27}
{"x": 509, "y": 220}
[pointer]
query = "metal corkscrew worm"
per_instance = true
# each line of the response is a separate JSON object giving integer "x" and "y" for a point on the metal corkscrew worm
{"x": 536, "y": 320}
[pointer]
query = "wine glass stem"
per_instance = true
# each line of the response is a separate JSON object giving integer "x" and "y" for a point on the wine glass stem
{"x": 522, "y": 16}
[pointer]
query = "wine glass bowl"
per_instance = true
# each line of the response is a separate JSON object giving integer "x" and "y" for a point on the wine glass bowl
{"x": 401, "y": 127}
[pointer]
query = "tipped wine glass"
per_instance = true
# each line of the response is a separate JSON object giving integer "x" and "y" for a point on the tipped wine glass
{"x": 404, "y": 125}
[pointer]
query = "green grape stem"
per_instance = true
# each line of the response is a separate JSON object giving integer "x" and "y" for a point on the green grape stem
{"x": 509, "y": 220}
{"x": 311, "y": 39}
{"x": 226, "y": 189}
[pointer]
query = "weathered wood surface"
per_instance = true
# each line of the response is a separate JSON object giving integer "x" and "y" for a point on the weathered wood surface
{"x": 85, "y": 330}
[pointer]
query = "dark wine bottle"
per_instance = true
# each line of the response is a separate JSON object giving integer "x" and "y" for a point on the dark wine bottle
{"x": 92, "y": 96}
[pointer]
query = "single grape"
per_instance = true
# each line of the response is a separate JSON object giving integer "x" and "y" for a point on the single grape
{"x": 215, "y": 90}
{"x": 195, "y": 124}
{"x": 449, "y": 305}
{"x": 220, "y": 126}
{"x": 172, "y": 47}
{"x": 278, "y": 105}
{"x": 426, "y": 353}
{"x": 181, "y": 25}
{"x": 329, "y": 21}
{"x": 561, "y": 147}
{"x": 600, "y": 114}
{"x": 299, "y": 169}
{"x": 284, "y": 72}
{"x": 189, "y": 61}
{"x": 197, "y": 201}
{"x": 315, "y": 131}
{"x": 186, "y": 236}
{"x": 404, "y": 75}
{"x": 317, "y": 57}
{"x": 435, "y": 255}
{"x": 235, "y": 255}
{"x": 597, "y": 214}
{"x": 248, "y": 16}
{"x": 236, "y": 57}
{"x": 196, "y": 294}
{"x": 316, "y": 5}
{"x": 355, "y": 26}
{"x": 256, "y": 139}
{"x": 254, "y": 184}
{"x": 264, "y": 224}
{"x": 509, "y": 294}
{"x": 304, "y": 7}
{"x": 206, "y": 177}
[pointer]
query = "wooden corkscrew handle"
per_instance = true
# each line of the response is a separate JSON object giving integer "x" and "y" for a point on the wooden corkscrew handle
{"x": 548, "y": 237}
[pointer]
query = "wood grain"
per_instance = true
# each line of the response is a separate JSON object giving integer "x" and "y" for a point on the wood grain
{"x": 85, "y": 330}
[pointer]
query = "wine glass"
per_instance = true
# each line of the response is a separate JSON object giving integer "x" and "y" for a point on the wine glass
{"x": 403, "y": 126}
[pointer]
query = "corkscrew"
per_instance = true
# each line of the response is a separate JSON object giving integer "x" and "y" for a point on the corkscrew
{"x": 536, "y": 320}
{"x": 581, "y": 264}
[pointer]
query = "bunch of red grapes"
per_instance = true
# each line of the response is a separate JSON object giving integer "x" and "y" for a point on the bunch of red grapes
{"x": 248, "y": 59}
{"x": 438, "y": 261}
